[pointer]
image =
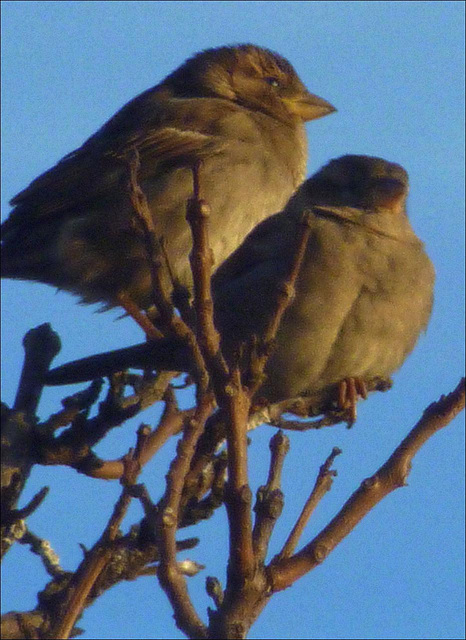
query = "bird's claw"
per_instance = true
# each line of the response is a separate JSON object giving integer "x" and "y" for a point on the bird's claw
{"x": 349, "y": 392}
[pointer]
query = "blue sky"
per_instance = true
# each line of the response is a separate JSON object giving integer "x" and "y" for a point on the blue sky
{"x": 395, "y": 72}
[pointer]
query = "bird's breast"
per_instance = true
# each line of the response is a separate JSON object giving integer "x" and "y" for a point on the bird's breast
{"x": 360, "y": 306}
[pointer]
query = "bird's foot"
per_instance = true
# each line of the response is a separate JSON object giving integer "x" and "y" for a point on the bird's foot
{"x": 349, "y": 392}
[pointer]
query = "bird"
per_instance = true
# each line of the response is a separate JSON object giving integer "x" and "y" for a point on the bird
{"x": 239, "y": 111}
{"x": 363, "y": 294}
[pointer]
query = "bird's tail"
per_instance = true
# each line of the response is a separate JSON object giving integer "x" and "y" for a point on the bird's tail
{"x": 27, "y": 253}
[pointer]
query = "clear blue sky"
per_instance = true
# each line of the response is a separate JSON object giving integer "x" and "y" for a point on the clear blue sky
{"x": 395, "y": 72}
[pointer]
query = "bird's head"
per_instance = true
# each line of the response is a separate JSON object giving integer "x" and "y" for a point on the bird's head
{"x": 363, "y": 182}
{"x": 251, "y": 76}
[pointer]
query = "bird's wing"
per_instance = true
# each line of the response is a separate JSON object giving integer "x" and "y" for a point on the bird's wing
{"x": 173, "y": 132}
{"x": 275, "y": 236}
{"x": 248, "y": 286}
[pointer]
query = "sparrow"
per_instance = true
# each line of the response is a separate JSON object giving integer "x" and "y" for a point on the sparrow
{"x": 239, "y": 110}
{"x": 363, "y": 294}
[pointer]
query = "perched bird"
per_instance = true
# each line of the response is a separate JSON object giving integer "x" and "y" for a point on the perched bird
{"x": 240, "y": 110}
{"x": 363, "y": 294}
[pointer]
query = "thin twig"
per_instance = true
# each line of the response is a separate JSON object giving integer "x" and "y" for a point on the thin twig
{"x": 238, "y": 496}
{"x": 285, "y": 295}
{"x": 73, "y": 446}
{"x": 322, "y": 485}
{"x": 214, "y": 590}
{"x": 161, "y": 273}
{"x": 197, "y": 215}
{"x": 43, "y": 549}
{"x": 269, "y": 502}
{"x": 95, "y": 561}
{"x": 196, "y": 508}
{"x": 169, "y": 425}
{"x": 138, "y": 316}
{"x": 230, "y": 394}
{"x": 158, "y": 270}
{"x": 32, "y": 505}
{"x": 237, "y": 406}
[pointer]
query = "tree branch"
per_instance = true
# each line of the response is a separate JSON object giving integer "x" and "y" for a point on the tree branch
{"x": 94, "y": 562}
{"x": 171, "y": 579}
{"x": 389, "y": 477}
{"x": 269, "y": 503}
{"x": 41, "y": 345}
{"x": 322, "y": 485}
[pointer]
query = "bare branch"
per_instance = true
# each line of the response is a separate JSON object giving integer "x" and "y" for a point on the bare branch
{"x": 201, "y": 259}
{"x": 138, "y": 316}
{"x": 269, "y": 503}
{"x": 43, "y": 549}
{"x": 285, "y": 295}
{"x": 159, "y": 271}
{"x": 322, "y": 485}
{"x": 389, "y": 477}
{"x": 22, "y": 625}
{"x": 161, "y": 276}
{"x": 73, "y": 446}
{"x": 238, "y": 497}
{"x": 170, "y": 424}
{"x": 41, "y": 345}
{"x": 95, "y": 560}
{"x": 32, "y": 505}
{"x": 214, "y": 590}
{"x": 171, "y": 578}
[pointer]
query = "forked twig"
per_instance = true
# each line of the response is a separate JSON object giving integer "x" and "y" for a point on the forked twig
{"x": 322, "y": 485}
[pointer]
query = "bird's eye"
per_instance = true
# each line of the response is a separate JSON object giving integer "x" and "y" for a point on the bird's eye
{"x": 273, "y": 82}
